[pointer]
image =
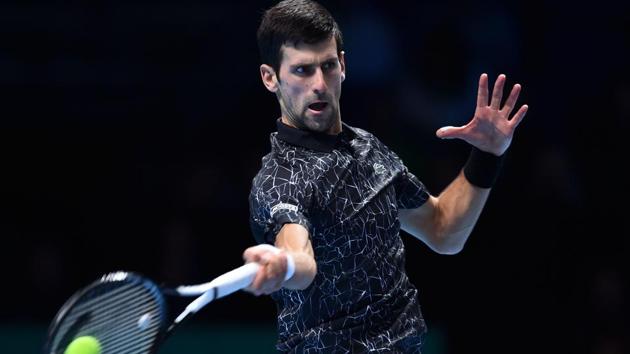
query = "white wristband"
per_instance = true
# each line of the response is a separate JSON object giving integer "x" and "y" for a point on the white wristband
{"x": 290, "y": 267}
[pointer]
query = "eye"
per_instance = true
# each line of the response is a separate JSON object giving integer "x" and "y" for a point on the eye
{"x": 330, "y": 65}
{"x": 303, "y": 70}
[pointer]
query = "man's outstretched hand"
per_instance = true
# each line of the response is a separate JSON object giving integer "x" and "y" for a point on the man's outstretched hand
{"x": 491, "y": 129}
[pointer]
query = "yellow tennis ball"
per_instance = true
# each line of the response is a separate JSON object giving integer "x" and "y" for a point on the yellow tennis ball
{"x": 84, "y": 345}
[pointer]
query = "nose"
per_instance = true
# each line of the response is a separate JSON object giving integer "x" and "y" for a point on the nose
{"x": 319, "y": 82}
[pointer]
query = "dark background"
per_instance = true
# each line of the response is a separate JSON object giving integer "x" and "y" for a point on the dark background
{"x": 130, "y": 132}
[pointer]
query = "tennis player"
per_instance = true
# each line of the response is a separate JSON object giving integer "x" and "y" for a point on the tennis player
{"x": 334, "y": 198}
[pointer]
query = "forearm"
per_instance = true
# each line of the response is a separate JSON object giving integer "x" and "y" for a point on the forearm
{"x": 305, "y": 270}
{"x": 445, "y": 222}
{"x": 457, "y": 210}
{"x": 294, "y": 240}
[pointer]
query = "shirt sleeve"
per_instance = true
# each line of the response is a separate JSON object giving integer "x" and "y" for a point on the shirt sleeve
{"x": 279, "y": 195}
{"x": 410, "y": 192}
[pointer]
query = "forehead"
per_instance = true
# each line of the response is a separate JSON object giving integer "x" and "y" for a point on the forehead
{"x": 309, "y": 53}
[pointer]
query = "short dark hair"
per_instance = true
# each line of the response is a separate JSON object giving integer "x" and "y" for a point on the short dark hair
{"x": 294, "y": 22}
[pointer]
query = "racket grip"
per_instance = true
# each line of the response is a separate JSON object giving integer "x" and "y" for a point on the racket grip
{"x": 226, "y": 284}
{"x": 236, "y": 279}
{"x": 223, "y": 285}
{"x": 232, "y": 281}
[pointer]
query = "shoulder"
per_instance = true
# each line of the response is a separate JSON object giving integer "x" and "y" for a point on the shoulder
{"x": 364, "y": 135}
{"x": 280, "y": 160}
{"x": 371, "y": 141}
{"x": 359, "y": 132}
{"x": 280, "y": 175}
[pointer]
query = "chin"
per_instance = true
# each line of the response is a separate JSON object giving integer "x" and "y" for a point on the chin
{"x": 320, "y": 127}
{"x": 320, "y": 124}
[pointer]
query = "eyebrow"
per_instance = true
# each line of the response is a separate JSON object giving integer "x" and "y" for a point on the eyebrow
{"x": 312, "y": 64}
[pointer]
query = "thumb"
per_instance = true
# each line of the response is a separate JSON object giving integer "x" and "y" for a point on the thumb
{"x": 447, "y": 132}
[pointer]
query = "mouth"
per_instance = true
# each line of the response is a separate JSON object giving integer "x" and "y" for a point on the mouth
{"x": 318, "y": 106}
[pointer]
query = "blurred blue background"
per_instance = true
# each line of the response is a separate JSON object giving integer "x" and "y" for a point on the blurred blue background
{"x": 130, "y": 132}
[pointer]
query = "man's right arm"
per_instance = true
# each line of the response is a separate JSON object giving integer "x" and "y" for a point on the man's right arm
{"x": 293, "y": 239}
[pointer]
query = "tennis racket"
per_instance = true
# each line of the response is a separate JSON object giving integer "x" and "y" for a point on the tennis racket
{"x": 129, "y": 313}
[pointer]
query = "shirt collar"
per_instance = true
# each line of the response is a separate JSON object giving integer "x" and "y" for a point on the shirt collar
{"x": 313, "y": 140}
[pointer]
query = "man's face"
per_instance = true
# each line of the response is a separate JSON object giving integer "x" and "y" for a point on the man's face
{"x": 308, "y": 86}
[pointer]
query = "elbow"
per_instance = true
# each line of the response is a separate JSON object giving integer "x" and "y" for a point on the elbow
{"x": 448, "y": 245}
{"x": 449, "y": 250}
{"x": 446, "y": 249}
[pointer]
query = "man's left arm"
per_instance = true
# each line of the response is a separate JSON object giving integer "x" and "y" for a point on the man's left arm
{"x": 445, "y": 222}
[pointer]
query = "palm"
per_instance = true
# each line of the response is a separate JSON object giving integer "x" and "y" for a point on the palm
{"x": 491, "y": 128}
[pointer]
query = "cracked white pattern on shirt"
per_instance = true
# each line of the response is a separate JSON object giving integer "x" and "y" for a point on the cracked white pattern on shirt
{"x": 361, "y": 299}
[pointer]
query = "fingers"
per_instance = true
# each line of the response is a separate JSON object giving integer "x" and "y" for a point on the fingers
{"x": 251, "y": 255}
{"x": 511, "y": 101}
{"x": 482, "y": 91}
{"x": 518, "y": 117}
{"x": 270, "y": 276}
{"x": 257, "y": 283}
{"x": 497, "y": 96}
{"x": 497, "y": 92}
{"x": 275, "y": 271}
{"x": 255, "y": 253}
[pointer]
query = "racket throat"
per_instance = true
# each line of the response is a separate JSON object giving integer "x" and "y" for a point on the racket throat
{"x": 196, "y": 305}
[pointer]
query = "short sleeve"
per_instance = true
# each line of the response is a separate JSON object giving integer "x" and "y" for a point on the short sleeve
{"x": 410, "y": 192}
{"x": 279, "y": 195}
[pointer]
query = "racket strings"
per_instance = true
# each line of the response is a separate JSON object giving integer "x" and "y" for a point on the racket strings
{"x": 126, "y": 319}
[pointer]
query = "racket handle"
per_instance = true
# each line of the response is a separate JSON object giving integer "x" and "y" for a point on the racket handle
{"x": 236, "y": 279}
{"x": 222, "y": 285}
{"x": 226, "y": 284}
{"x": 229, "y": 282}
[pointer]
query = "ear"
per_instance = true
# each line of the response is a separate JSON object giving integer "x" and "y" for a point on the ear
{"x": 342, "y": 63}
{"x": 268, "y": 76}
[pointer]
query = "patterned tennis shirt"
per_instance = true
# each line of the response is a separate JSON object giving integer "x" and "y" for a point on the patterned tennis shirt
{"x": 346, "y": 189}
